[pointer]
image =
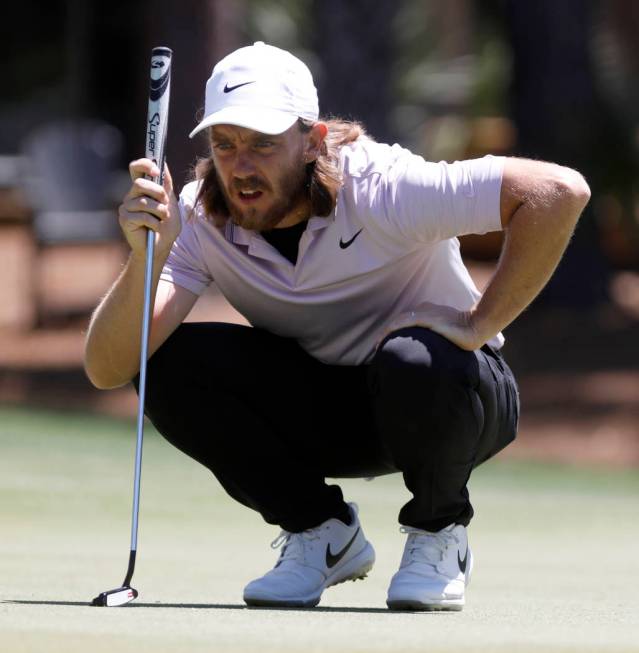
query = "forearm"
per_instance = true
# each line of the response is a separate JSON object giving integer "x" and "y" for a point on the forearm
{"x": 112, "y": 350}
{"x": 535, "y": 239}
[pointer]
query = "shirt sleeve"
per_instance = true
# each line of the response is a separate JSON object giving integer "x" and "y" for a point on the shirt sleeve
{"x": 428, "y": 202}
{"x": 185, "y": 266}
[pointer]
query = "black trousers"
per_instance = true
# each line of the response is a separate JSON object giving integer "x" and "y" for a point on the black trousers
{"x": 272, "y": 423}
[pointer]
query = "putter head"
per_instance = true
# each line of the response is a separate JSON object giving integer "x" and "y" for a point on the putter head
{"x": 113, "y": 598}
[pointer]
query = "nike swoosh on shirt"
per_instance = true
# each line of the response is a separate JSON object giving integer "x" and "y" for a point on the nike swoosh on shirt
{"x": 228, "y": 89}
{"x": 346, "y": 244}
{"x": 333, "y": 559}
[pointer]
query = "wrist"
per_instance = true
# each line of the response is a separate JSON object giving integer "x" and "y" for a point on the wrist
{"x": 138, "y": 256}
{"x": 482, "y": 328}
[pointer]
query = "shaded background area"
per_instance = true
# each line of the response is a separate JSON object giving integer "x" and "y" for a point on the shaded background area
{"x": 549, "y": 80}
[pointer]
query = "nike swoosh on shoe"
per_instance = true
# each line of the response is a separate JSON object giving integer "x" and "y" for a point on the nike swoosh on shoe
{"x": 333, "y": 559}
{"x": 462, "y": 563}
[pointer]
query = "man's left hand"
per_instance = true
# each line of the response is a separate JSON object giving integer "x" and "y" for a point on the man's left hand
{"x": 456, "y": 326}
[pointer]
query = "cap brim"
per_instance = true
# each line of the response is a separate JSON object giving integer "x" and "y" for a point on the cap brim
{"x": 260, "y": 120}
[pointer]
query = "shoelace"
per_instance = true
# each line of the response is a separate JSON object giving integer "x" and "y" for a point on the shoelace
{"x": 428, "y": 547}
{"x": 294, "y": 543}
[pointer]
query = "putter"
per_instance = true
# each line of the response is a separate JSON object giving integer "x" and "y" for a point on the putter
{"x": 157, "y": 121}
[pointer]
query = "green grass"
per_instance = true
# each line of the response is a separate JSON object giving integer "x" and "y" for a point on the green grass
{"x": 555, "y": 550}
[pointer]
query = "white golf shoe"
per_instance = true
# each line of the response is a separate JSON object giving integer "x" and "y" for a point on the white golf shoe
{"x": 434, "y": 570}
{"x": 310, "y": 562}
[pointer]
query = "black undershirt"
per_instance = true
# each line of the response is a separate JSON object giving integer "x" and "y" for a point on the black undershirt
{"x": 286, "y": 240}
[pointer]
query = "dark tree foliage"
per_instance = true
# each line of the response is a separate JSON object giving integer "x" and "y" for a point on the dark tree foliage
{"x": 561, "y": 116}
{"x": 353, "y": 41}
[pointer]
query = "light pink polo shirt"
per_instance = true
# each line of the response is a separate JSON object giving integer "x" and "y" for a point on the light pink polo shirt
{"x": 404, "y": 214}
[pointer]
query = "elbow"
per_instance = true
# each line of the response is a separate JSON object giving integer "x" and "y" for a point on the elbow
{"x": 100, "y": 377}
{"x": 99, "y": 380}
{"x": 573, "y": 191}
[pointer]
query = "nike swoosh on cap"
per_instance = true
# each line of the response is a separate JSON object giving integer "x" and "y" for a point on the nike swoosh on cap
{"x": 346, "y": 244}
{"x": 333, "y": 559}
{"x": 228, "y": 89}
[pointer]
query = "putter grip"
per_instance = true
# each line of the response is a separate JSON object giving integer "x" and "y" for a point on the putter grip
{"x": 158, "y": 113}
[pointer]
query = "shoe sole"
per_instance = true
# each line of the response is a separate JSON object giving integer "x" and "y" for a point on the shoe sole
{"x": 355, "y": 569}
{"x": 415, "y": 606}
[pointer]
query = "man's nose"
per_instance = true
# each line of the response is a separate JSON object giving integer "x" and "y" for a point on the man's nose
{"x": 244, "y": 166}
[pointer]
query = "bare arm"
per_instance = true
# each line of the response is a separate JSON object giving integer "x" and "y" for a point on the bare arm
{"x": 112, "y": 350}
{"x": 540, "y": 204}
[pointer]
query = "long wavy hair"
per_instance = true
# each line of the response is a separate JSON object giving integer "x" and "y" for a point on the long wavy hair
{"x": 323, "y": 176}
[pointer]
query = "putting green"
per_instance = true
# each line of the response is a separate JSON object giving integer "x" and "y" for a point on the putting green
{"x": 555, "y": 550}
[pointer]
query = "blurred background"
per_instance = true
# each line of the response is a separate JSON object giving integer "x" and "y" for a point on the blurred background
{"x": 551, "y": 80}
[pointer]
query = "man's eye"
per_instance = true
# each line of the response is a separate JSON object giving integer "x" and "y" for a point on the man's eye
{"x": 265, "y": 143}
{"x": 222, "y": 146}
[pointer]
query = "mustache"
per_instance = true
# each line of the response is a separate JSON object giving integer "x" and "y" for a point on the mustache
{"x": 249, "y": 184}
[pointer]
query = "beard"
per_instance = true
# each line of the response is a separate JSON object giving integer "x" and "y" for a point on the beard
{"x": 292, "y": 190}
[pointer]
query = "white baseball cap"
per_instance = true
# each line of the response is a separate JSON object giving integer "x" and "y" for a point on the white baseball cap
{"x": 259, "y": 87}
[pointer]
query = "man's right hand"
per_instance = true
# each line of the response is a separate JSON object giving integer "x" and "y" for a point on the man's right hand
{"x": 148, "y": 205}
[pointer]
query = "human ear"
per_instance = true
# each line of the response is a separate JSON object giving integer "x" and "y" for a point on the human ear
{"x": 315, "y": 138}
